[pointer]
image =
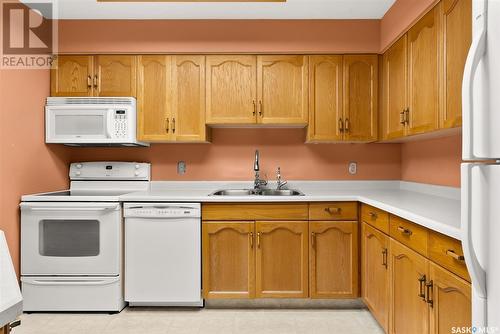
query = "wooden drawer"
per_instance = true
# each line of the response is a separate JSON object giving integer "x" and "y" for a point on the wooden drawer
{"x": 448, "y": 253}
{"x": 260, "y": 211}
{"x": 375, "y": 217}
{"x": 333, "y": 211}
{"x": 409, "y": 234}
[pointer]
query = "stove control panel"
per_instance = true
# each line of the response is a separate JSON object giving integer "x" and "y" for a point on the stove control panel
{"x": 103, "y": 170}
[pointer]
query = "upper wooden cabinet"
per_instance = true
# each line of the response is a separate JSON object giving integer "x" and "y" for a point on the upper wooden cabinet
{"x": 282, "y": 89}
{"x": 72, "y": 76}
{"x": 333, "y": 261}
{"x": 325, "y": 98}
{"x": 282, "y": 259}
{"x": 116, "y": 75}
{"x": 457, "y": 36}
{"x": 231, "y": 89}
{"x": 360, "y": 97}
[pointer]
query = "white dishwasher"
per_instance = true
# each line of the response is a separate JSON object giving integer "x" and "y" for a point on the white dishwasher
{"x": 163, "y": 254}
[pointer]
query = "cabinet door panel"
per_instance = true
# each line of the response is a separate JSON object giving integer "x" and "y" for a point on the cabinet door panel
{"x": 451, "y": 298}
{"x": 424, "y": 73}
{"x": 228, "y": 260}
{"x": 334, "y": 259}
{"x": 457, "y": 34}
{"x": 282, "y": 259}
{"x": 325, "y": 98}
{"x": 153, "y": 103}
{"x": 116, "y": 75}
{"x": 72, "y": 76}
{"x": 283, "y": 89}
{"x": 231, "y": 89}
{"x": 409, "y": 313}
{"x": 360, "y": 97}
{"x": 188, "y": 98}
{"x": 395, "y": 83}
{"x": 375, "y": 273}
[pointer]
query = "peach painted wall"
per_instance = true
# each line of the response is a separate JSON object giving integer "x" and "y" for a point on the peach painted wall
{"x": 435, "y": 161}
{"x": 231, "y": 155}
{"x": 27, "y": 165}
{"x": 219, "y": 36}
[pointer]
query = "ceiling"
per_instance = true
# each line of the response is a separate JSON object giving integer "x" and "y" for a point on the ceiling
{"x": 291, "y": 9}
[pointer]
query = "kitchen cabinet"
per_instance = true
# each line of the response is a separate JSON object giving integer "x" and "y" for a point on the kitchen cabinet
{"x": 409, "y": 312}
{"x": 72, "y": 76}
{"x": 231, "y": 88}
{"x": 115, "y": 75}
{"x": 325, "y": 98}
{"x": 228, "y": 259}
{"x": 282, "y": 89}
{"x": 375, "y": 278}
{"x": 282, "y": 259}
{"x": 333, "y": 261}
{"x": 360, "y": 98}
{"x": 457, "y": 37}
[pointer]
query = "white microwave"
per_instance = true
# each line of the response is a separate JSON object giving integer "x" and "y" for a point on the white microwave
{"x": 91, "y": 121}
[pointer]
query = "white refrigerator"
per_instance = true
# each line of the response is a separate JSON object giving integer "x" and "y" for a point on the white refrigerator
{"x": 481, "y": 166}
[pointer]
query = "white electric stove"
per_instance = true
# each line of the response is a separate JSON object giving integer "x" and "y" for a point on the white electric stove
{"x": 71, "y": 241}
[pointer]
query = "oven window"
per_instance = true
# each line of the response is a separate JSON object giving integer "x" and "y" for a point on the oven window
{"x": 69, "y": 238}
{"x": 77, "y": 125}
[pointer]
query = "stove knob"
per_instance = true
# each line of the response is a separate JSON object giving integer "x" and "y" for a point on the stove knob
{"x": 78, "y": 173}
{"x": 136, "y": 173}
{"x": 137, "y": 166}
{"x": 79, "y": 166}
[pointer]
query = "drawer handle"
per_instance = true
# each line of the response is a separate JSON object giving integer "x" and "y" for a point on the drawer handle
{"x": 333, "y": 210}
{"x": 451, "y": 252}
{"x": 373, "y": 215}
{"x": 421, "y": 281}
{"x": 405, "y": 231}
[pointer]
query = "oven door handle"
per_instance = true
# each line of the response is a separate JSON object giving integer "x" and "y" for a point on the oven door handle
{"x": 88, "y": 207}
{"x": 70, "y": 282}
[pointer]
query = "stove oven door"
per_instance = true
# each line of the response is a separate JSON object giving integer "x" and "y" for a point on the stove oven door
{"x": 66, "y": 238}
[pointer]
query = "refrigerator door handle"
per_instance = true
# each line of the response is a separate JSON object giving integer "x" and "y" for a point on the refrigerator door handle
{"x": 476, "y": 272}
{"x": 476, "y": 53}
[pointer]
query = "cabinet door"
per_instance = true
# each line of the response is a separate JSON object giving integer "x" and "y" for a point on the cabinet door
{"x": 409, "y": 313}
{"x": 188, "y": 98}
{"x": 282, "y": 83}
{"x": 72, "y": 76}
{"x": 451, "y": 301}
{"x": 375, "y": 273}
{"x": 394, "y": 91}
{"x": 116, "y": 75}
{"x": 424, "y": 73}
{"x": 325, "y": 98}
{"x": 231, "y": 89}
{"x": 228, "y": 260}
{"x": 333, "y": 259}
{"x": 282, "y": 259}
{"x": 153, "y": 103}
{"x": 360, "y": 97}
{"x": 457, "y": 34}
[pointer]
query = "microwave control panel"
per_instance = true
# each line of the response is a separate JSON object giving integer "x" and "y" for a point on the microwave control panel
{"x": 121, "y": 123}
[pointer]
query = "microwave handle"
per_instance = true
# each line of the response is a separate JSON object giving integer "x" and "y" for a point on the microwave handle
{"x": 109, "y": 123}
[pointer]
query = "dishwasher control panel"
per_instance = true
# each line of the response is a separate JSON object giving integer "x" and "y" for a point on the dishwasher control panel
{"x": 162, "y": 210}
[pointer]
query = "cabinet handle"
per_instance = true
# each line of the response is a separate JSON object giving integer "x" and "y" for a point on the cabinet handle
{"x": 258, "y": 239}
{"x": 341, "y": 125}
{"x": 250, "y": 235}
{"x": 95, "y": 81}
{"x": 254, "y": 108}
{"x": 451, "y": 252}
{"x": 347, "y": 125}
{"x": 421, "y": 282}
{"x": 261, "y": 108}
{"x": 167, "y": 125}
{"x": 428, "y": 288}
{"x": 333, "y": 211}
{"x": 313, "y": 239}
{"x": 402, "y": 117}
{"x": 373, "y": 215}
{"x": 173, "y": 125}
{"x": 89, "y": 82}
{"x": 407, "y": 115}
{"x": 405, "y": 231}
{"x": 384, "y": 257}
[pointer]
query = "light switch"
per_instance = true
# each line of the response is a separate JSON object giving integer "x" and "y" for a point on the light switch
{"x": 353, "y": 168}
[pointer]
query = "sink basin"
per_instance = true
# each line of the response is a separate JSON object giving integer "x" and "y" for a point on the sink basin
{"x": 252, "y": 192}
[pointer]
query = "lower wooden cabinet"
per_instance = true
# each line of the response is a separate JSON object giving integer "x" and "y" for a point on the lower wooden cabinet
{"x": 375, "y": 273}
{"x": 282, "y": 259}
{"x": 228, "y": 260}
{"x": 333, "y": 263}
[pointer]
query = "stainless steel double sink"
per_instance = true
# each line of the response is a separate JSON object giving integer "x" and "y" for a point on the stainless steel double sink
{"x": 257, "y": 192}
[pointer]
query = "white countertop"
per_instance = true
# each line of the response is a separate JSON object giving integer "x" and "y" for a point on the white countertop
{"x": 11, "y": 302}
{"x": 435, "y": 207}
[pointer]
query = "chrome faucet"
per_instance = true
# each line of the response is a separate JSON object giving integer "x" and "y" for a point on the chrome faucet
{"x": 257, "y": 183}
{"x": 279, "y": 183}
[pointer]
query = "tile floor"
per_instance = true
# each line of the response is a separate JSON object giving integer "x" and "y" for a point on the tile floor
{"x": 219, "y": 321}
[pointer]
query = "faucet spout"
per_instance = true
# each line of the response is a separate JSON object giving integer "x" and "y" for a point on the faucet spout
{"x": 256, "y": 167}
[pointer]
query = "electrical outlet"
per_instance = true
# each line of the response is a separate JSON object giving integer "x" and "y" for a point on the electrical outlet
{"x": 353, "y": 168}
{"x": 181, "y": 167}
